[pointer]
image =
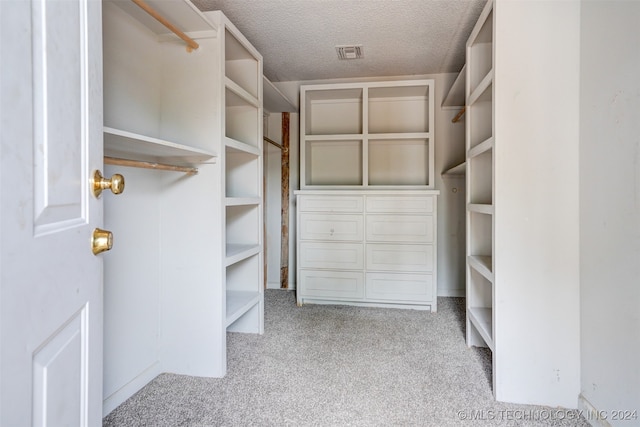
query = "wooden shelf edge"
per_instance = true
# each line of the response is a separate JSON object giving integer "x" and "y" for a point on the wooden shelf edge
{"x": 481, "y": 318}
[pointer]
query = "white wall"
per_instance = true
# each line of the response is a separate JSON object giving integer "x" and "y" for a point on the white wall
{"x": 536, "y": 246}
{"x": 449, "y": 151}
{"x": 610, "y": 208}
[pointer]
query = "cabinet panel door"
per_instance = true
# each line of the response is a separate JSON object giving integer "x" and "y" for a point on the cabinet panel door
{"x": 399, "y": 287}
{"x": 330, "y": 203}
{"x": 347, "y": 256}
{"x": 400, "y": 228}
{"x": 331, "y": 284}
{"x": 331, "y": 227}
{"x": 410, "y": 258}
{"x": 400, "y": 204}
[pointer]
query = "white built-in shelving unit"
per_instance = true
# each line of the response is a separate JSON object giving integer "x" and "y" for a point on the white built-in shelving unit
{"x": 367, "y": 209}
{"x": 241, "y": 159}
{"x": 186, "y": 266}
{"x": 480, "y": 141}
{"x": 367, "y": 135}
{"x": 522, "y": 139}
{"x": 455, "y": 100}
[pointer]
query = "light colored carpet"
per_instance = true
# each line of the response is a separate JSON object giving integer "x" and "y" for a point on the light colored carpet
{"x": 340, "y": 366}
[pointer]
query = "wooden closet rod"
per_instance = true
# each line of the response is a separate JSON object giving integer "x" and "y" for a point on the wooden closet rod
{"x": 272, "y": 142}
{"x": 191, "y": 43}
{"x": 148, "y": 165}
{"x": 459, "y": 115}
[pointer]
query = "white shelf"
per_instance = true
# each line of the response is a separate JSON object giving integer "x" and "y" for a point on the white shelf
{"x": 240, "y": 302}
{"x": 336, "y": 137}
{"x": 481, "y": 318}
{"x": 455, "y": 96}
{"x": 132, "y": 146}
{"x": 241, "y": 146}
{"x": 242, "y": 96}
{"x": 237, "y": 252}
{"x": 482, "y": 264}
{"x": 242, "y": 201}
{"x": 182, "y": 14}
{"x": 406, "y": 135}
{"x": 457, "y": 170}
{"x": 484, "y": 146}
{"x": 480, "y": 208}
{"x": 482, "y": 86}
{"x": 274, "y": 101}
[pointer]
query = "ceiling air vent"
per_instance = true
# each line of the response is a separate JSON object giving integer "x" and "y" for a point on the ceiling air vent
{"x": 349, "y": 52}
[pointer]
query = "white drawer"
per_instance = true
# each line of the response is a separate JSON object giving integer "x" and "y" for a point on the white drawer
{"x": 331, "y": 284}
{"x": 400, "y": 228}
{"x": 331, "y": 227}
{"x": 347, "y": 256}
{"x": 333, "y": 203}
{"x": 399, "y": 287}
{"x": 400, "y": 204}
{"x": 407, "y": 258}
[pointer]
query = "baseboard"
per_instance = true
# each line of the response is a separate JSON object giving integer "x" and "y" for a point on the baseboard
{"x": 130, "y": 388}
{"x": 458, "y": 293}
{"x": 276, "y": 285}
{"x": 593, "y": 416}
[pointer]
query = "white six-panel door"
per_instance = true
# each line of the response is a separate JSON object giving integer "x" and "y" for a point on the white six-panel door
{"x": 50, "y": 281}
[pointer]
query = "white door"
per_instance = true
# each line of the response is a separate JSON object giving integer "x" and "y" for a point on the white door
{"x": 50, "y": 281}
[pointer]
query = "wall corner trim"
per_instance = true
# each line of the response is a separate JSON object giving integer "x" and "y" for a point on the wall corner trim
{"x": 593, "y": 416}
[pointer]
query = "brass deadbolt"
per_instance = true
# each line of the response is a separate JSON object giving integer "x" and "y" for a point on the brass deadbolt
{"x": 101, "y": 241}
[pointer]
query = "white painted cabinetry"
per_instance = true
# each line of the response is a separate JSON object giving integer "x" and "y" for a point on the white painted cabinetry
{"x": 367, "y": 248}
{"x": 186, "y": 265}
{"x": 522, "y": 140}
{"x": 367, "y": 135}
{"x": 367, "y": 208}
{"x": 480, "y": 187}
{"x": 241, "y": 160}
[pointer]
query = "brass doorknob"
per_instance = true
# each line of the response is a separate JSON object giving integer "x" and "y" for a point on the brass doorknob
{"x": 115, "y": 183}
{"x": 101, "y": 241}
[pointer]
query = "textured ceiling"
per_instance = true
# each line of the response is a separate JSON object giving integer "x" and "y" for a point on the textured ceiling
{"x": 297, "y": 38}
